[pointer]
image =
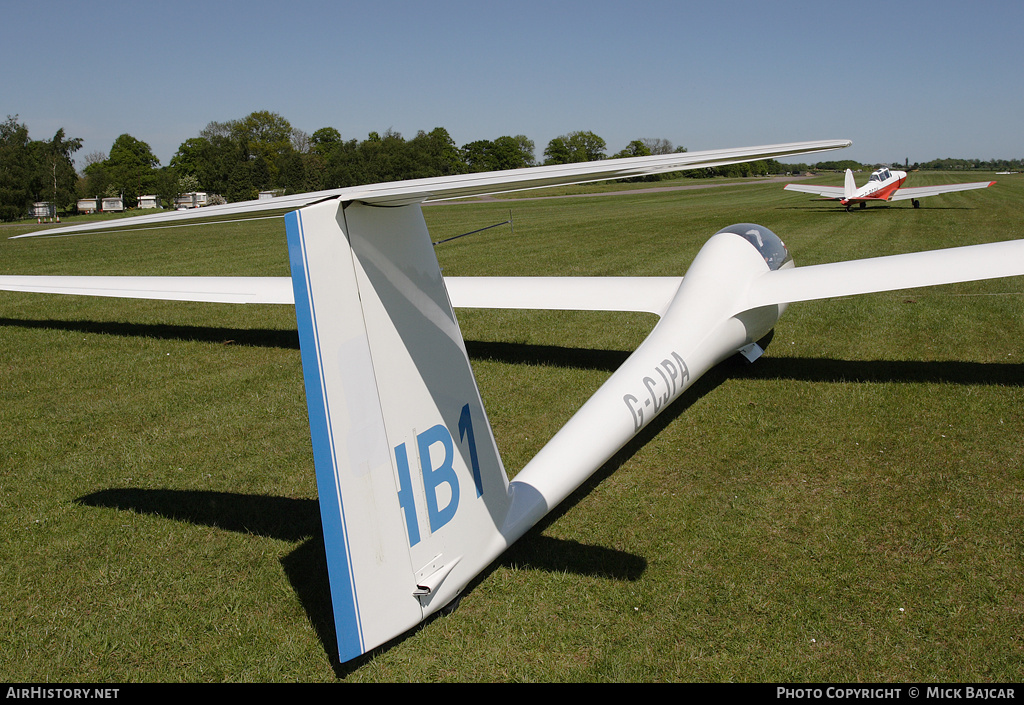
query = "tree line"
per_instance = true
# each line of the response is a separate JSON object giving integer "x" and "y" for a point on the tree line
{"x": 238, "y": 159}
{"x": 34, "y": 170}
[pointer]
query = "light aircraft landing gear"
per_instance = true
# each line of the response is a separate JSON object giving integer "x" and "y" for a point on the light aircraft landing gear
{"x": 916, "y": 203}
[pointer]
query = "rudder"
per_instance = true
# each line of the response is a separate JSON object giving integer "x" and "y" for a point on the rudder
{"x": 411, "y": 485}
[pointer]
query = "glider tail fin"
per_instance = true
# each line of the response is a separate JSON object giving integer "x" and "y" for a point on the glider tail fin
{"x": 410, "y": 482}
{"x": 849, "y": 186}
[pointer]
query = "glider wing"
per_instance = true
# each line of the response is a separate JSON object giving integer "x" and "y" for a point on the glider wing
{"x": 865, "y": 276}
{"x": 640, "y": 294}
{"x": 227, "y": 290}
{"x": 458, "y": 186}
{"x": 643, "y": 294}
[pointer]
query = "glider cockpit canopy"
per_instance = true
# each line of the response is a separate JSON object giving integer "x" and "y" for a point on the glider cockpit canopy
{"x": 767, "y": 243}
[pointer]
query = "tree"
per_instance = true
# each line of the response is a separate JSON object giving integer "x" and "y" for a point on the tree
{"x": 187, "y": 183}
{"x": 241, "y": 184}
{"x": 557, "y": 152}
{"x": 60, "y": 170}
{"x": 94, "y": 178}
{"x": 132, "y": 168}
{"x": 659, "y": 145}
{"x": 575, "y": 147}
{"x": 238, "y": 158}
{"x": 342, "y": 165}
{"x": 33, "y": 170}
{"x": 478, "y": 155}
{"x": 434, "y": 154}
{"x": 383, "y": 158}
{"x": 266, "y": 136}
{"x": 513, "y": 152}
{"x": 636, "y": 148}
{"x": 189, "y": 158}
{"x": 841, "y": 165}
{"x": 212, "y": 157}
{"x": 324, "y": 141}
{"x": 17, "y": 170}
{"x": 301, "y": 141}
{"x": 293, "y": 177}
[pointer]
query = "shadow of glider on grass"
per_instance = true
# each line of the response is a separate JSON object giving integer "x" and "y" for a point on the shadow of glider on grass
{"x": 414, "y": 499}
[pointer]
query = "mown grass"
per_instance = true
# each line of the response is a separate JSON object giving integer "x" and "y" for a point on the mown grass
{"x": 846, "y": 509}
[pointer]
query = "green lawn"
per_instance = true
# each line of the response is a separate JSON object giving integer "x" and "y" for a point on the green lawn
{"x": 849, "y": 508}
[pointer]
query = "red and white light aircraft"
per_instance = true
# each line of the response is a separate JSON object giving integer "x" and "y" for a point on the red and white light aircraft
{"x": 883, "y": 185}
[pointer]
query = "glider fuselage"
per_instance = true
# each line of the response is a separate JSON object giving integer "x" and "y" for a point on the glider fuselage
{"x": 707, "y": 322}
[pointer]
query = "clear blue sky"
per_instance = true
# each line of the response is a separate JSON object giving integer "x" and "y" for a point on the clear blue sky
{"x": 902, "y": 79}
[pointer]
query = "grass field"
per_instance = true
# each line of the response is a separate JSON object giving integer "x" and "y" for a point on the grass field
{"x": 849, "y": 508}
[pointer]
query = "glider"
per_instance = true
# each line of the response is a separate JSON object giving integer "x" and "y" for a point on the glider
{"x": 883, "y": 185}
{"x": 415, "y": 501}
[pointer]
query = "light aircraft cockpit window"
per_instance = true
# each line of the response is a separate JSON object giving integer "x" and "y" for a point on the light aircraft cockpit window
{"x": 767, "y": 243}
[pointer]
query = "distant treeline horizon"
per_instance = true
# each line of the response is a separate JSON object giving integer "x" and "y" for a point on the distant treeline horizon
{"x": 238, "y": 159}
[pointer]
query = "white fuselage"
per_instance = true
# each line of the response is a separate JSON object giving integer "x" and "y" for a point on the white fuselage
{"x": 881, "y": 185}
{"x": 704, "y": 325}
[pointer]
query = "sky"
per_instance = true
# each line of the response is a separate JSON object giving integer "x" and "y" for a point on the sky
{"x": 904, "y": 80}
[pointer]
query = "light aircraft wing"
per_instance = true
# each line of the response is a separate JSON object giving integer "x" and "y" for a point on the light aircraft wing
{"x": 459, "y": 186}
{"x": 823, "y": 191}
{"x": 922, "y": 191}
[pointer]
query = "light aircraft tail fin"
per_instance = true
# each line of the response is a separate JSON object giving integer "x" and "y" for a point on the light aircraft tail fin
{"x": 849, "y": 186}
{"x": 411, "y": 485}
